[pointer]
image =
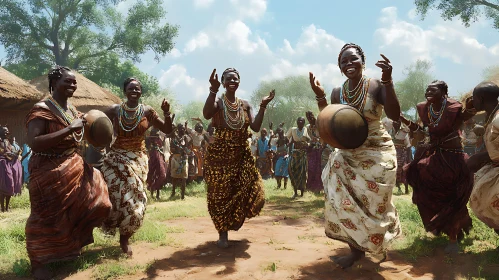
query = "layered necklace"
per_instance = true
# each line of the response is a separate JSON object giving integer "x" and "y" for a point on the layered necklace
{"x": 233, "y": 113}
{"x": 68, "y": 118}
{"x": 435, "y": 117}
{"x": 129, "y": 118}
{"x": 357, "y": 96}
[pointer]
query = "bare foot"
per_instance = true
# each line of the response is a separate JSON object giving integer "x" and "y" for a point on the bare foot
{"x": 452, "y": 248}
{"x": 125, "y": 246}
{"x": 348, "y": 260}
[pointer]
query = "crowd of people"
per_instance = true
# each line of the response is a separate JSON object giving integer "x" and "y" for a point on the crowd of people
{"x": 446, "y": 158}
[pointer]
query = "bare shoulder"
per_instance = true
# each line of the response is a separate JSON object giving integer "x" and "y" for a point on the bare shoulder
{"x": 246, "y": 104}
{"x": 41, "y": 104}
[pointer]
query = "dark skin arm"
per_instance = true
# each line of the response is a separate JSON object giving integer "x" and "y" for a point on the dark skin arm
{"x": 476, "y": 161}
{"x": 39, "y": 140}
{"x": 256, "y": 123}
{"x": 211, "y": 104}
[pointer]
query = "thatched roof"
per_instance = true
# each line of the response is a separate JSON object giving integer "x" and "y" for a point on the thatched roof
{"x": 15, "y": 93}
{"x": 88, "y": 95}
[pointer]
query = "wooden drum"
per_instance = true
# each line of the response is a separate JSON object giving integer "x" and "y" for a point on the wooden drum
{"x": 98, "y": 129}
{"x": 342, "y": 126}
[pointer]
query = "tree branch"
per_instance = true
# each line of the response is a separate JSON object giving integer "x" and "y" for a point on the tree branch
{"x": 488, "y": 4}
{"x": 83, "y": 57}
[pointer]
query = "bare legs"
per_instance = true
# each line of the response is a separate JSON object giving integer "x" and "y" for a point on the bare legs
{"x": 179, "y": 182}
{"x": 223, "y": 239}
{"x": 4, "y": 202}
{"x": 125, "y": 245}
{"x": 279, "y": 180}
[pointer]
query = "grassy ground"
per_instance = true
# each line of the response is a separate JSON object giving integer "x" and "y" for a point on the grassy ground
{"x": 105, "y": 255}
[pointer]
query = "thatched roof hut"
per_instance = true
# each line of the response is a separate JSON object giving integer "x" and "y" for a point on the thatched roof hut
{"x": 15, "y": 93}
{"x": 88, "y": 96}
{"x": 16, "y": 98}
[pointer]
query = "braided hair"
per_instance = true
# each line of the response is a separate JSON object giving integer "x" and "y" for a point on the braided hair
{"x": 441, "y": 85}
{"x": 55, "y": 74}
{"x": 352, "y": 45}
{"x": 229, "y": 70}
{"x": 128, "y": 81}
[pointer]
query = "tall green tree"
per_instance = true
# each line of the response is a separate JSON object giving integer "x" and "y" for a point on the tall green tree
{"x": 154, "y": 100}
{"x": 411, "y": 89}
{"x": 75, "y": 33}
{"x": 193, "y": 109}
{"x": 467, "y": 10}
{"x": 293, "y": 97}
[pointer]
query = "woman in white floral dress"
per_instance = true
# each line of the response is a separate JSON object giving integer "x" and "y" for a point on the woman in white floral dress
{"x": 358, "y": 182}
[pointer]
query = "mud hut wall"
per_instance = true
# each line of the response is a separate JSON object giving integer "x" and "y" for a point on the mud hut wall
{"x": 15, "y": 122}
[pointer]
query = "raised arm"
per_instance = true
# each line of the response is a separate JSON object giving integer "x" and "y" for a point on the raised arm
{"x": 211, "y": 104}
{"x": 386, "y": 95}
{"x": 256, "y": 123}
{"x": 165, "y": 126}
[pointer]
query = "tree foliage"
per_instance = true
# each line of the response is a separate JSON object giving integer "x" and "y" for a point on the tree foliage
{"x": 193, "y": 109}
{"x": 75, "y": 33}
{"x": 293, "y": 98}
{"x": 410, "y": 91}
{"x": 155, "y": 100}
{"x": 467, "y": 10}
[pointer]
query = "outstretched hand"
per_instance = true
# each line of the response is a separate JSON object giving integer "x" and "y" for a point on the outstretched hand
{"x": 266, "y": 100}
{"x": 214, "y": 82}
{"x": 386, "y": 68}
{"x": 165, "y": 106}
{"x": 316, "y": 85}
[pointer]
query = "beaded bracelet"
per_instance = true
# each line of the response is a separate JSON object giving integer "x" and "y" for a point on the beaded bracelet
{"x": 212, "y": 91}
{"x": 320, "y": 98}
{"x": 386, "y": 82}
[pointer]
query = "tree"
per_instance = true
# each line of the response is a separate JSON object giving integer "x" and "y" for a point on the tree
{"x": 410, "y": 91}
{"x": 110, "y": 72}
{"x": 293, "y": 98}
{"x": 193, "y": 109}
{"x": 155, "y": 100}
{"x": 75, "y": 33}
{"x": 467, "y": 10}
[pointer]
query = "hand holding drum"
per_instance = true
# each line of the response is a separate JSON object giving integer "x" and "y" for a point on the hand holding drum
{"x": 98, "y": 129}
{"x": 342, "y": 126}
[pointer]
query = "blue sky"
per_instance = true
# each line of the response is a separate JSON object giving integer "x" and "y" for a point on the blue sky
{"x": 268, "y": 39}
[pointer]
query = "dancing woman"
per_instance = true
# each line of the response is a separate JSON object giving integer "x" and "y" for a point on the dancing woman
{"x": 11, "y": 174}
{"x": 125, "y": 165}
{"x": 235, "y": 188}
{"x": 439, "y": 176}
{"x": 281, "y": 167}
{"x": 156, "y": 177}
{"x": 358, "y": 182}
{"x": 484, "y": 200}
{"x": 314, "y": 156}
{"x": 68, "y": 197}
{"x": 298, "y": 138}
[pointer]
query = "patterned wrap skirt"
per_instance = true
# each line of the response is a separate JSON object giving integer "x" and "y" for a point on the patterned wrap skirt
{"x": 484, "y": 199}
{"x": 235, "y": 188}
{"x": 358, "y": 185}
{"x": 125, "y": 172}
{"x": 298, "y": 166}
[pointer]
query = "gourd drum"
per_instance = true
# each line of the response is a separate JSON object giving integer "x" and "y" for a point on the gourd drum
{"x": 342, "y": 126}
{"x": 98, "y": 129}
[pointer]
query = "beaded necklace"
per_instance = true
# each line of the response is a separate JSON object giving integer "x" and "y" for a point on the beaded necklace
{"x": 356, "y": 97}
{"x": 68, "y": 118}
{"x": 129, "y": 118}
{"x": 435, "y": 117}
{"x": 233, "y": 113}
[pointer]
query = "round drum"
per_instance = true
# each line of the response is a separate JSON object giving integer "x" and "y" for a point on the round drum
{"x": 98, "y": 129}
{"x": 342, "y": 126}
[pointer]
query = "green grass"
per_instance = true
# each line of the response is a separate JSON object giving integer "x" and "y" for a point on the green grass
{"x": 106, "y": 261}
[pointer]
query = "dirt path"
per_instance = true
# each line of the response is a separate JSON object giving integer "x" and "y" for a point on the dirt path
{"x": 276, "y": 248}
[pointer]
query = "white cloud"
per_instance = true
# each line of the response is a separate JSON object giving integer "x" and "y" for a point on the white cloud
{"x": 202, "y": 3}
{"x": 444, "y": 40}
{"x": 252, "y": 9}
{"x": 313, "y": 39}
{"x": 201, "y": 40}
{"x": 185, "y": 87}
{"x": 412, "y": 14}
{"x": 238, "y": 37}
{"x": 175, "y": 53}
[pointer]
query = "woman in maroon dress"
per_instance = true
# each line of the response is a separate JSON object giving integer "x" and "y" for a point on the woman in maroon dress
{"x": 440, "y": 178}
{"x": 156, "y": 177}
